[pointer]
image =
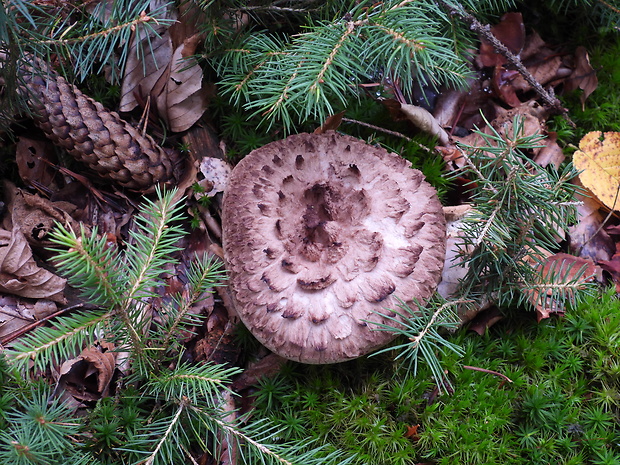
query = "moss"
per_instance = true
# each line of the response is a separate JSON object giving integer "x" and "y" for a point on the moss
{"x": 562, "y": 406}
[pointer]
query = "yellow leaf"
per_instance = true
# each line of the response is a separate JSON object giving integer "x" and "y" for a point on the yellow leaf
{"x": 599, "y": 162}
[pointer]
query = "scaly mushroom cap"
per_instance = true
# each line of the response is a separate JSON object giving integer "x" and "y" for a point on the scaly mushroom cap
{"x": 320, "y": 233}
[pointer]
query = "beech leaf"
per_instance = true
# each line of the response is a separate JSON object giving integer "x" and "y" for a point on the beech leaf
{"x": 20, "y": 275}
{"x": 598, "y": 159}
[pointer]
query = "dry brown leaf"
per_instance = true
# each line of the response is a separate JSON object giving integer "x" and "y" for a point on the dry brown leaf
{"x": 88, "y": 376}
{"x": 510, "y": 31}
{"x": 179, "y": 94}
{"x": 34, "y": 171}
{"x": 583, "y": 76}
{"x": 563, "y": 268}
{"x": 551, "y": 153}
{"x": 34, "y": 215}
{"x": 587, "y": 238}
{"x": 331, "y": 123}
{"x": 598, "y": 159}
{"x": 166, "y": 74}
{"x": 144, "y": 68}
{"x": 20, "y": 275}
{"x": 17, "y": 313}
{"x": 485, "y": 319}
{"x": 425, "y": 121}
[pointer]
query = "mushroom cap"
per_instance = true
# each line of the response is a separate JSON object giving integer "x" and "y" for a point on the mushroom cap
{"x": 322, "y": 233}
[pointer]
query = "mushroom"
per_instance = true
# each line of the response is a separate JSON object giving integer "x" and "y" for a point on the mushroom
{"x": 323, "y": 234}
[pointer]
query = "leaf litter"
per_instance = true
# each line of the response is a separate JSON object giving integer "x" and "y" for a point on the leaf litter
{"x": 170, "y": 84}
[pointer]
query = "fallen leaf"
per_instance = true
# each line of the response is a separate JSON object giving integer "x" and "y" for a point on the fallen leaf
{"x": 420, "y": 117}
{"x": 166, "y": 74}
{"x": 331, "y": 123}
{"x": 598, "y": 159}
{"x": 557, "y": 270}
{"x": 218, "y": 344}
{"x": 588, "y": 239}
{"x": 34, "y": 215}
{"x": 266, "y": 367}
{"x": 30, "y": 156}
{"x": 88, "y": 376}
{"x": 583, "y": 76}
{"x": 19, "y": 273}
{"x": 216, "y": 173}
{"x": 179, "y": 94}
{"x": 150, "y": 52}
{"x": 412, "y": 432}
{"x": 551, "y": 153}
{"x": 485, "y": 319}
{"x": 16, "y": 313}
{"x": 510, "y": 31}
{"x": 612, "y": 266}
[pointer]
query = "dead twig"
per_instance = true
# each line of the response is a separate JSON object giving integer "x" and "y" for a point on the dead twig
{"x": 548, "y": 96}
{"x": 491, "y": 372}
{"x": 5, "y": 340}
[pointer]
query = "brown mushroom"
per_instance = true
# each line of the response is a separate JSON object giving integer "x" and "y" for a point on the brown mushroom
{"x": 322, "y": 233}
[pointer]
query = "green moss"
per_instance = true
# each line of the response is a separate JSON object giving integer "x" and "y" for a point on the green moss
{"x": 562, "y": 406}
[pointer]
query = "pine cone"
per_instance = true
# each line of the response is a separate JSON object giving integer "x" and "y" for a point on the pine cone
{"x": 96, "y": 136}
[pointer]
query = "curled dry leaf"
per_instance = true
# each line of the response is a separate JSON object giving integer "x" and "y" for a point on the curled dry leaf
{"x": 166, "y": 74}
{"x": 88, "y": 376}
{"x": 150, "y": 52}
{"x": 331, "y": 123}
{"x": 216, "y": 173}
{"x": 179, "y": 94}
{"x": 588, "y": 239}
{"x": 598, "y": 159}
{"x": 583, "y": 76}
{"x": 420, "y": 117}
{"x": 20, "y": 275}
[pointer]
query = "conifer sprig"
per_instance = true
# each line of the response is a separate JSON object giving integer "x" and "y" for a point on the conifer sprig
{"x": 421, "y": 327}
{"x": 306, "y": 78}
{"x": 198, "y": 383}
{"x": 186, "y": 411}
{"x": 63, "y": 339}
{"x": 519, "y": 207}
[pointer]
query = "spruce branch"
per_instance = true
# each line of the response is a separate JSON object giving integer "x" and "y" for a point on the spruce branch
{"x": 258, "y": 443}
{"x": 64, "y": 339}
{"x": 307, "y": 77}
{"x": 421, "y": 328}
{"x": 203, "y": 276}
{"x": 199, "y": 383}
{"x": 88, "y": 262}
{"x": 518, "y": 207}
{"x": 165, "y": 439}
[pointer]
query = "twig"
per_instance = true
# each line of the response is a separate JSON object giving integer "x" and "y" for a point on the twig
{"x": 386, "y": 131}
{"x": 32, "y": 326}
{"x": 485, "y": 31}
{"x": 491, "y": 372}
